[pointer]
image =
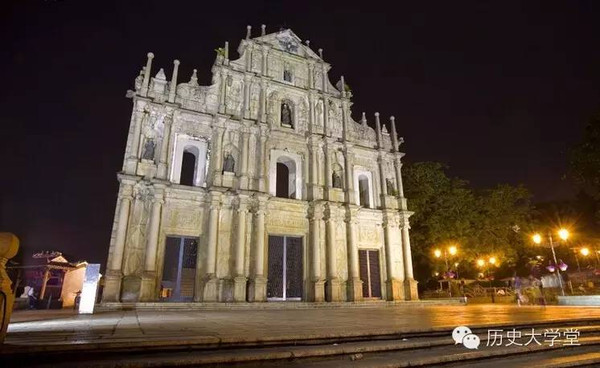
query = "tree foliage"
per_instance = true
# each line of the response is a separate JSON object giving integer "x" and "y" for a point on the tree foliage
{"x": 447, "y": 211}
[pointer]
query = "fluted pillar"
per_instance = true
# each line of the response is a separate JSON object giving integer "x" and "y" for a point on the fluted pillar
{"x": 133, "y": 154}
{"x": 394, "y": 257}
{"x": 114, "y": 274}
{"x": 239, "y": 290}
{"x": 209, "y": 282}
{"x": 411, "y": 291}
{"x": 354, "y": 283}
{"x": 244, "y": 169}
{"x": 349, "y": 171}
{"x": 246, "y": 106}
{"x": 317, "y": 282}
{"x": 148, "y": 285}
{"x": 217, "y": 157}
{"x": 258, "y": 285}
{"x": 164, "y": 149}
{"x": 147, "y": 73}
{"x": 262, "y": 164}
{"x": 333, "y": 289}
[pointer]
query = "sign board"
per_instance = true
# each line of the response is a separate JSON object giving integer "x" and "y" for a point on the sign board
{"x": 89, "y": 289}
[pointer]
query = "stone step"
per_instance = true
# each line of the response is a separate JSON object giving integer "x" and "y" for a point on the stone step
{"x": 418, "y": 350}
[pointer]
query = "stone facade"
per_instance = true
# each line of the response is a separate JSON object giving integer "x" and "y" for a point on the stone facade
{"x": 272, "y": 112}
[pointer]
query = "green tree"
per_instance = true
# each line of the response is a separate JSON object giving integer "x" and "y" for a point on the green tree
{"x": 447, "y": 211}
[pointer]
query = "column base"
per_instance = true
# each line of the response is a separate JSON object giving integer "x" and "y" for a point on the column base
{"x": 112, "y": 286}
{"x": 395, "y": 290}
{"x": 239, "y": 289}
{"x": 411, "y": 291}
{"x": 131, "y": 165}
{"x": 210, "y": 289}
{"x": 162, "y": 171}
{"x": 257, "y": 292}
{"x": 148, "y": 287}
{"x": 333, "y": 290}
{"x": 317, "y": 291}
{"x": 315, "y": 192}
{"x": 355, "y": 293}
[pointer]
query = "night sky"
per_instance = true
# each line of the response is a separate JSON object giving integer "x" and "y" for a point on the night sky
{"x": 498, "y": 90}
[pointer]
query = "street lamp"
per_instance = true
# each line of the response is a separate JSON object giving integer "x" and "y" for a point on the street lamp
{"x": 564, "y": 235}
{"x": 452, "y": 250}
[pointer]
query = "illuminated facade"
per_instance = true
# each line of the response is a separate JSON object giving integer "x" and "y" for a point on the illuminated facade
{"x": 258, "y": 187}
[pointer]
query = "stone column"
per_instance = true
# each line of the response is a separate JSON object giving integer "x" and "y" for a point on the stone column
{"x": 354, "y": 283}
{"x": 262, "y": 164}
{"x": 222, "y": 91}
{"x": 210, "y": 281}
{"x": 349, "y": 171}
{"x": 217, "y": 157}
{"x": 114, "y": 273}
{"x": 333, "y": 284}
{"x": 394, "y": 258}
{"x": 263, "y": 101}
{"x": 9, "y": 246}
{"x": 265, "y": 53}
{"x": 164, "y": 149}
{"x": 317, "y": 282}
{"x": 246, "y": 106}
{"x": 398, "y": 167}
{"x": 328, "y": 171}
{"x": 411, "y": 291}
{"x": 239, "y": 290}
{"x": 148, "y": 286}
{"x": 258, "y": 286}
{"x": 244, "y": 169}
{"x": 133, "y": 154}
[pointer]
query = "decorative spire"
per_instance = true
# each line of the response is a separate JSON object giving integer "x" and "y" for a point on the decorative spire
{"x": 321, "y": 53}
{"x": 263, "y": 29}
{"x": 161, "y": 74}
{"x": 248, "y": 31}
{"x": 173, "y": 81}
{"x": 147, "y": 74}
{"x": 378, "y": 127}
{"x": 194, "y": 79}
{"x": 226, "y": 50}
{"x": 307, "y": 43}
{"x": 363, "y": 119}
{"x": 343, "y": 86}
{"x": 394, "y": 136}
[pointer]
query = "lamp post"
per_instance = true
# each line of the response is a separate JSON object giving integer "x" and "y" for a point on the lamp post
{"x": 452, "y": 250}
{"x": 564, "y": 235}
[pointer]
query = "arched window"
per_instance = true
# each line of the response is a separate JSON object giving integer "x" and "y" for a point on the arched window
{"x": 285, "y": 178}
{"x": 283, "y": 184}
{"x": 188, "y": 168}
{"x": 364, "y": 191}
{"x": 190, "y": 161}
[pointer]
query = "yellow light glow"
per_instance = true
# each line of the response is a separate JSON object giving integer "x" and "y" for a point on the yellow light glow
{"x": 584, "y": 251}
{"x": 480, "y": 262}
{"x": 437, "y": 253}
{"x": 456, "y": 264}
{"x": 452, "y": 250}
{"x": 493, "y": 260}
{"x": 563, "y": 234}
{"x": 537, "y": 238}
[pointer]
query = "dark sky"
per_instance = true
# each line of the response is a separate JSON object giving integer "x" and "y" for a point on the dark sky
{"x": 498, "y": 90}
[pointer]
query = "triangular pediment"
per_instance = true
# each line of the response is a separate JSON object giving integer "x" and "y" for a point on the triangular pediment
{"x": 286, "y": 40}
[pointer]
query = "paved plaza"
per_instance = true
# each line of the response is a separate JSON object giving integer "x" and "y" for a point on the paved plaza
{"x": 46, "y": 328}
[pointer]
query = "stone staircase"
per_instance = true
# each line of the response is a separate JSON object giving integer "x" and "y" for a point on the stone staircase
{"x": 425, "y": 348}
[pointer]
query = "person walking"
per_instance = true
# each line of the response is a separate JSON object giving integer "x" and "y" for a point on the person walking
{"x": 517, "y": 285}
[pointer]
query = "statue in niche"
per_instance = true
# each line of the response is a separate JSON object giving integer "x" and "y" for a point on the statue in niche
{"x": 336, "y": 179}
{"x": 149, "y": 147}
{"x": 287, "y": 75}
{"x": 391, "y": 190}
{"x": 286, "y": 115}
{"x": 229, "y": 163}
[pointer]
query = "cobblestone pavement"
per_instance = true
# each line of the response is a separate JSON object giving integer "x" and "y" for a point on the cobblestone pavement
{"x": 65, "y": 327}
